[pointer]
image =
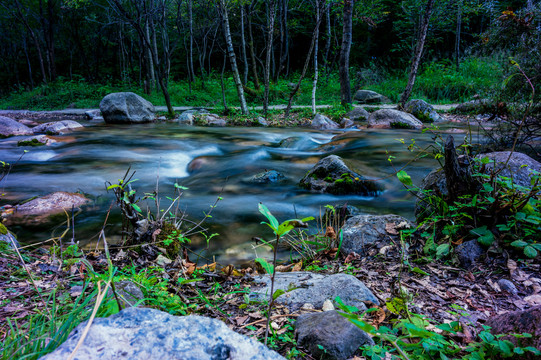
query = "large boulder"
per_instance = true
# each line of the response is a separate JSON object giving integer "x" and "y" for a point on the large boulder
{"x": 520, "y": 166}
{"x": 390, "y": 118}
{"x": 57, "y": 127}
{"x": 44, "y": 209}
{"x": 332, "y": 175}
{"x": 303, "y": 287}
{"x": 321, "y": 122}
{"x": 329, "y": 335}
{"x": 423, "y": 111}
{"x": 363, "y": 231}
{"x": 370, "y": 97}
{"x": 358, "y": 114}
{"x": 143, "y": 334}
{"x": 10, "y": 127}
{"x": 126, "y": 108}
{"x": 519, "y": 322}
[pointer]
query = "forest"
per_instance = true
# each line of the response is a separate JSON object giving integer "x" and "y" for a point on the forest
{"x": 270, "y": 179}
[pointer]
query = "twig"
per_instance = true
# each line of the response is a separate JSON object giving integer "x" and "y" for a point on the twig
{"x": 272, "y": 317}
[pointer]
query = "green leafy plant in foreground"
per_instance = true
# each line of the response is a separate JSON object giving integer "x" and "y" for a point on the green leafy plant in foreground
{"x": 279, "y": 229}
{"x": 415, "y": 337}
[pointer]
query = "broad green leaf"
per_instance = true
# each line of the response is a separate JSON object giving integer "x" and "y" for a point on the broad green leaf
{"x": 269, "y": 269}
{"x": 113, "y": 186}
{"x": 273, "y": 222}
{"x": 519, "y": 243}
{"x": 136, "y": 207}
{"x": 404, "y": 178}
{"x": 530, "y": 252}
{"x": 442, "y": 250}
{"x": 277, "y": 293}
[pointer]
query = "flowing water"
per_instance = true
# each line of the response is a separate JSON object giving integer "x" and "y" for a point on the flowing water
{"x": 210, "y": 162}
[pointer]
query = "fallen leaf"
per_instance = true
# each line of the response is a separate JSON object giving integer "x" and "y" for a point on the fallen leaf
{"x": 230, "y": 270}
{"x": 391, "y": 228}
{"x": 284, "y": 268}
{"x": 297, "y": 266}
{"x": 241, "y": 320}
{"x": 330, "y": 233}
{"x": 533, "y": 300}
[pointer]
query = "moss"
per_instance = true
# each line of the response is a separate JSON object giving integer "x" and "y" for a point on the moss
{"x": 400, "y": 125}
{"x": 169, "y": 236}
{"x": 423, "y": 116}
{"x": 3, "y": 229}
{"x": 328, "y": 179}
{"x": 33, "y": 142}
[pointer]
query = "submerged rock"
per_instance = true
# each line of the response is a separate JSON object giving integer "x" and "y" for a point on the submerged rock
{"x": 423, "y": 111}
{"x": 143, "y": 334}
{"x": 304, "y": 287}
{"x": 38, "y": 140}
{"x": 331, "y": 175}
{"x": 126, "y": 108}
{"x": 393, "y": 119}
{"x": 370, "y": 97}
{"x": 268, "y": 177}
{"x": 10, "y": 127}
{"x": 57, "y": 127}
{"x": 321, "y": 122}
{"x": 43, "y": 209}
{"x": 363, "y": 231}
{"x": 329, "y": 335}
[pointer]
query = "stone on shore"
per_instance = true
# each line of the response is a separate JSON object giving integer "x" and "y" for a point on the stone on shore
{"x": 393, "y": 119}
{"x": 126, "y": 108}
{"x": 358, "y": 114}
{"x": 370, "y": 97}
{"x": 321, "y": 122}
{"x": 423, "y": 111}
{"x": 10, "y": 127}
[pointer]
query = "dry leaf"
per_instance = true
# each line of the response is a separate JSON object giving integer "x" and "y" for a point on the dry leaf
{"x": 284, "y": 268}
{"x": 209, "y": 267}
{"x": 391, "y": 228}
{"x": 241, "y": 320}
{"x": 330, "y": 233}
{"x": 533, "y": 300}
{"x": 230, "y": 270}
{"x": 297, "y": 266}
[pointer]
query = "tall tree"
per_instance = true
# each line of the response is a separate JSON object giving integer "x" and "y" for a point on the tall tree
{"x": 271, "y": 6}
{"x": 418, "y": 53}
{"x": 232, "y": 57}
{"x": 345, "y": 49}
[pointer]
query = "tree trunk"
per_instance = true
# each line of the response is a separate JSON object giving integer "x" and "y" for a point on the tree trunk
{"x": 458, "y": 32}
{"x": 150, "y": 63}
{"x": 190, "y": 55}
{"x": 328, "y": 40}
{"x": 316, "y": 36}
{"x": 222, "y": 83}
{"x": 270, "y": 33}
{"x": 30, "y": 75}
{"x": 459, "y": 178}
{"x": 243, "y": 45}
{"x": 345, "y": 86}
{"x": 252, "y": 52}
{"x": 418, "y": 53}
{"x": 232, "y": 58}
{"x": 306, "y": 63}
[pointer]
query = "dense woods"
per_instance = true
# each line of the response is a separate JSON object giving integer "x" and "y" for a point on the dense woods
{"x": 149, "y": 43}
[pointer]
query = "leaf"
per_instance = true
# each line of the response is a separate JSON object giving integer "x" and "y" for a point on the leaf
{"x": 404, "y": 178}
{"x": 278, "y": 293}
{"x": 442, "y": 250}
{"x": 297, "y": 266}
{"x": 136, "y": 207}
{"x": 113, "y": 186}
{"x": 273, "y": 222}
{"x": 519, "y": 243}
{"x": 530, "y": 252}
{"x": 269, "y": 269}
{"x": 419, "y": 271}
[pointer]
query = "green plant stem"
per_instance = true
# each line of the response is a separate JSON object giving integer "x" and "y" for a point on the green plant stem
{"x": 271, "y": 300}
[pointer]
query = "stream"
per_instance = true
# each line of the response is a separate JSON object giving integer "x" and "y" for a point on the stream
{"x": 210, "y": 162}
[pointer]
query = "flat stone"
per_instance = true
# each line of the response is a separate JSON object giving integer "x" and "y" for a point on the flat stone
{"x": 57, "y": 127}
{"x": 149, "y": 334}
{"x": 338, "y": 336}
{"x": 363, "y": 231}
{"x": 390, "y": 118}
{"x": 305, "y": 287}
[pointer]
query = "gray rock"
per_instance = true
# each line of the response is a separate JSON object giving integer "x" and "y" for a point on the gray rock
{"x": 508, "y": 286}
{"x": 468, "y": 253}
{"x": 93, "y": 114}
{"x": 10, "y": 127}
{"x": 346, "y": 123}
{"x": 261, "y": 121}
{"x": 363, "y": 231}
{"x": 187, "y": 117}
{"x": 479, "y": 106}
{"x": 126, "y": 108}
{"x": 321, "y": 122}
{"x": 339, "y": 215}
{"x": 433, "y": 184}
{"x": 423, "y": 111}
{"x": 37, "y": 140}
{"x": 57, "y": 127}
{"x": 129, "y": 293}
{"x": 268, "y": 177}
{"x": 148, "y": 334}
{"x": 43, "y": 209}
{"x": 305, "y": 287}
{"x": 358, "y": 114}
{"x": 212, "y": 120}
{"x": 370, "y": 97}
{"x": 331, "y": 175}
{"x": 29, "y": 123}
{"x": 8, "y": 238}
{"x": 520, "y": 166}
{"x": 338, "y": 336}
{"x": 390, "y": 118}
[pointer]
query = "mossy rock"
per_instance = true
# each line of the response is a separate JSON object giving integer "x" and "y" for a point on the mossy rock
{"x": 170, "y": 238}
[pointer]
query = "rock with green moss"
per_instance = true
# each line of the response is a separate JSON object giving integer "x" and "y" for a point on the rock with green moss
{"x": 423, "y": 111}
{"x": 10, "y": 127}
{"x": 331, "y": 175}
{"x": 38, "y": 140}
{"x": 8, "y": 238}
{"x": 390, "y": 118}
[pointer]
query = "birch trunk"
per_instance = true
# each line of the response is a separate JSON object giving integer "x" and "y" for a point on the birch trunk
{"x": 232, "y": 58}
{"x": 345, "y": 86}
{"x": 458, "y": 33}
{"x": 243, "y": 45}
{"x": 418, "y": 53}
{"x": 252, "y": 52}
{"x": 316, "y": 35}
{"x": 270, "y": 33}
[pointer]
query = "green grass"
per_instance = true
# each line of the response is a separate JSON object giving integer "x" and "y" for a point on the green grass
{"x": 438, "y": 82}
